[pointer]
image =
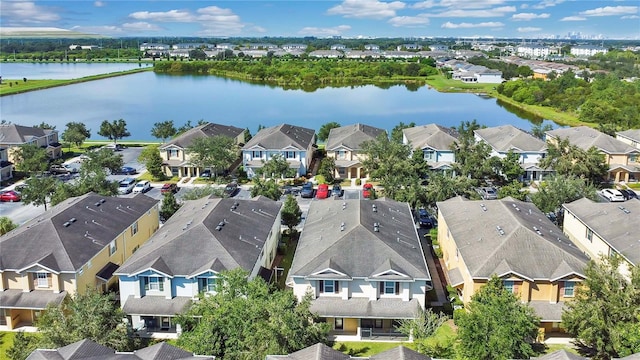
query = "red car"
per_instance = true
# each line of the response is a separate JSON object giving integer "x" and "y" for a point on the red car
{"x": 366, "y": 190}
{"x": 10, "y": 196}
{"x": 169, "y": 188}
{"x": 323, "y": 191}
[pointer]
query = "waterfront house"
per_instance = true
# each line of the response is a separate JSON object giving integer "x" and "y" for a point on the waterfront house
{"x": 515, "y": 241}
{"x": 507, "y": 138}
{"x": 76, "y": 245}
{"x": 175, "y": 154}
{"x": 13, "y": 136}
{"x": 184, "y": 258}
{"x": 363, "y": 264}
{"x": 155, "y": 49}
{"x": 605, "y": 229}
{"x": 623, "y": 159}
{"x": 344, "y": 144}
{"x": 436, "y": 143}
{"x": 295, "y": 144}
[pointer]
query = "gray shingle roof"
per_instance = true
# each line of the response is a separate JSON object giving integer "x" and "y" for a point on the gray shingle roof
{"x": 351, "y": 136}
{"x": 189, "y": 244}
{"x": 561, "y": 355}
{"x": 618, "y": 228}
{"x": 358, "y": 249}
{"x": 550, "y": 254}
{"x": 431, "y": 136}
{"x": 18, "y": 299}
{"x": 207, "y": 130}
{"x": 585, "y": 137}
{"x": 548, "y": 311}
{"x": 314, "y": 352}
{"x": 282, "y": 136}
{"x": 507, "y": 137}
{"x": 390, "y": 308}
{"x": 400, "y": 353}
{"x": 45, "y": 240}
{"x": 156, "y": 305}
{"x": 18, "y": 134}
{"x": 633, "y": 134}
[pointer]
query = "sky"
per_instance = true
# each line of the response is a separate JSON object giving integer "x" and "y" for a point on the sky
{"x": 614, "y": 19}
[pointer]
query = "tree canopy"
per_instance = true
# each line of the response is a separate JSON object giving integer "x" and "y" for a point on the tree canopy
{"x": 76, "y": 133}
{"x": 245, "y": 319}
{"x": 569, "y": 160}
{"x": 6, "y": 225}
{"x": 163, "y": 130}
{"x": 30, "y": 158}
{"x": 560, "y": 189}
{"x": 152, "y": 160}
{"x": 323, "y": 133}
{"x": 215, "y": 152}
{"x": 268, "y": 188}
{"x": 114, "y": 130}
{"x": 277, "y": 167}
{"x": 291, "y": 213}
{"x": 38, "y": 190}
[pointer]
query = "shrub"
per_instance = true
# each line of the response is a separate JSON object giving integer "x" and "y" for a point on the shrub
{"x": 358, "y": 182}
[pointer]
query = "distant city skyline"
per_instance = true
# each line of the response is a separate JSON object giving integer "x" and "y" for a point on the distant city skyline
{"x": 552, "y": 19}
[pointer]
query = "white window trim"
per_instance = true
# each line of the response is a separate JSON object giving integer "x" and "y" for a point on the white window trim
{"x": 43, "y": 282}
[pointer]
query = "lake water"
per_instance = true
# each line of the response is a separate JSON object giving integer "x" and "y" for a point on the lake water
{"x": 62, "y": 71}
{"x": 145, "y": 98}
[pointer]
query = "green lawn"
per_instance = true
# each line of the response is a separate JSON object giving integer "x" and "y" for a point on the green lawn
{"x": 367, "y": 348}
{"x": 6, "y": 340}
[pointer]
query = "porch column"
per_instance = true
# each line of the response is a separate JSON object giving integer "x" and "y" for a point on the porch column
{"x": 2, "y": 286}
{"x": 55, "y": 283}
{"x": 137, "y": 289}
{"x": 626, "y": 177}
{"x": 554, "y": 293}
{"x": 26, "y": 283}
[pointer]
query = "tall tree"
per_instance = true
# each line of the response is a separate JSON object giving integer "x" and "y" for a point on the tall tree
{"x": 539, "y": 130}
{"x": 44, "y": 126}
{"x": 39, "y": 190}
{"x": 163, "y": 130}
{"x": 91, "y": 315}
{"x": 23, "y": 345}
{"x": 423, "y": 325}
{"x": 569, "y": 160}
{"x": 245, "y": 320}
{"x": 327, "y": 169}
{"x": 560, "y": 189}
{"x": 325, "y": 129}
{"x": 6, "y": 225}
{"x": 30, "y": 159}
{"x": 117, "y": 129}
{"x": 485, "y": 332}
{"x": 215, "y": 152}
{"x": 150, "y": 157}
{"x": 76, "y": 133}
{"x": 268, "y": 188}
{"x": 510, "y": 168}
{"x": 471, "y": 156}
{"x": 396, "y": 132}
{"x": 277, "y": 167}
{"x": 388, "y": 162}
{"x": 604, "y": 317}
{"x": 169, "y": 205}
{"x": 291, "y": 213}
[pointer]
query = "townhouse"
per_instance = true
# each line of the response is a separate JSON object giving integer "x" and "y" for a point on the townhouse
{"x": 507, "y": 138}
{"x": 12, "y": 136}
{"x": 344, "y": 144}
{"x": 435, "y": 142}
{"x": 516, "y": 242}
{"x": 76, "y": 245}
{"x": 6, "y": 166}
{"x": 363, "y": 264}
{"x": 175, "y": 153}
{"x": 295, "y": 143}
{"x": 587, "y": 50}
{"x": 623, "y": 159}
{"x": 630, "y": 137}
{"x": 605, "y": 229}
{"x": 184, "y": 258}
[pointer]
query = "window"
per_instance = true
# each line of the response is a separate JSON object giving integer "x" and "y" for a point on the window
{"x": 154, "y": 283}
{"x": 289, "y": 154}
{"x": 329, "y": 286}
{"x": 134, "y": 228}
{"x": 389, "y": 287}
{"x": 429, "y": 155}
{"x": 256, "y": 154}
{"x": 42, "y": 280}
{"x": 378, "y": 323}
{"x": 339, "y": 323}
{"x": 508, "y": 285}
{"x": 172, "y": 153}
{"x": 112, "y": 247}
{"x": 589, "y": 235}
{"x": 342, "y": 155}
{"x": 569, "y": 287}
{"x": 207, "y": 284}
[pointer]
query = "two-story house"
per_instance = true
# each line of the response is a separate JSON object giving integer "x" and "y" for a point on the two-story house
{"x": 515, "y": 241}
{"x": 508, "y": 138}
{"x": 605, "y": 229}
{"x": 296, "y": 144}
{"x": 436, "y": 143}
{"x": 12, "y": 136}
{"x": 623, "y": 159}
{"x": 76, "y": 245}
{"x": 363, "y": 264}
{"x": 175, "y": 155}
{"x": 344, "y": 145}
{"x": 184, "y": 258}
{"x": 6, "y": 166}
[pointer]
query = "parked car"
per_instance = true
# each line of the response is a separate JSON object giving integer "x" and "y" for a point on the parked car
{"x": 307, "y": 190}
{"x": 425, "y": 220}
{"x": 488, "y": 193}
{"x": 169, "y": 188}
{"x": 142, "y": 187}
{"x": 628, "y": 194}
{"x": 290, "y": 189}
{"x": 366, "y": 190}
{"x": 126, "y": 185}
{"x": 337, "y": 190}
{"x": 61, "y": 169}
{"x": 205, "y": 174}
{"x": 127, "y": 170}
{"x": 114, "y": 147}
{"x": 323, "y": 191}
{"x": 10, "y": 196}
{"x": 231, "y": 189}
{"x": 612, "y": 195}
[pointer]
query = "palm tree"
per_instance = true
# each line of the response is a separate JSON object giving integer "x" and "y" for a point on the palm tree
{"x": 6, "y": 225}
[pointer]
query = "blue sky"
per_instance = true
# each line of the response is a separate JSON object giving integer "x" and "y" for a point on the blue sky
{"x": 347, "y": 18}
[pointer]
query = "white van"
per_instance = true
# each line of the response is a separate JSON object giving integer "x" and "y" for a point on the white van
{"x": 612, "y": 195}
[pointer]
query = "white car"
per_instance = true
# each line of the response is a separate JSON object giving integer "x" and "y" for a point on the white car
{"x": 126, "y": 185}
{"x": 612, "y": 195}
{"x": 142, "y": 187}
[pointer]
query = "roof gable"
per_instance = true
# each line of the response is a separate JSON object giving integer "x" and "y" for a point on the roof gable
{"x": 432, "y": 136}
{"x": 351, "y": 137}
{"x": 508, "y": 137}
{"x": 185, "y": 140}
{"x": 281, "y": 136}
{"x": 585, "y": 137}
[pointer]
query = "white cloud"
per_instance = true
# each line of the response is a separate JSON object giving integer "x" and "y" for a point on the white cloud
{"x": 140, "y": 26}
{"x": 528, "y": 29}
{"x": 409, "y": 21}
{"x": 547, "y": 3}
{"x": 470, "y": 4}
{"x": 258, "y": 29}
{"x": 611, "y": 11}
{"x": 366, "y": 9}
{"x": 495, "y": 12}
{"x": 15, "y": 13}
{"x": 215, "y": 21}
{"x": 428, "y": 4}
{"x": 164, "y": 16}
{"x": 573, "y": 18}
{"x": 529, "y": 16}
{"x": 320, "y": 32}
{"x": 450, "y": 25}
{"x": 102, "y": 30}
{"x": 99, "y": 3}
{"x": 627, "y": 17}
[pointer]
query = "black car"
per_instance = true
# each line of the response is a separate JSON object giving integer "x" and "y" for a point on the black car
{"x": 231, "y": 189}
{"x": 629, "y": 194}
{"x": 307, "y": 190}
{"x": 425, "y": 220}
{"x": 337, "y": 190}
{"x": 127, "y": 170}
{"x": 205, "y": 174}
